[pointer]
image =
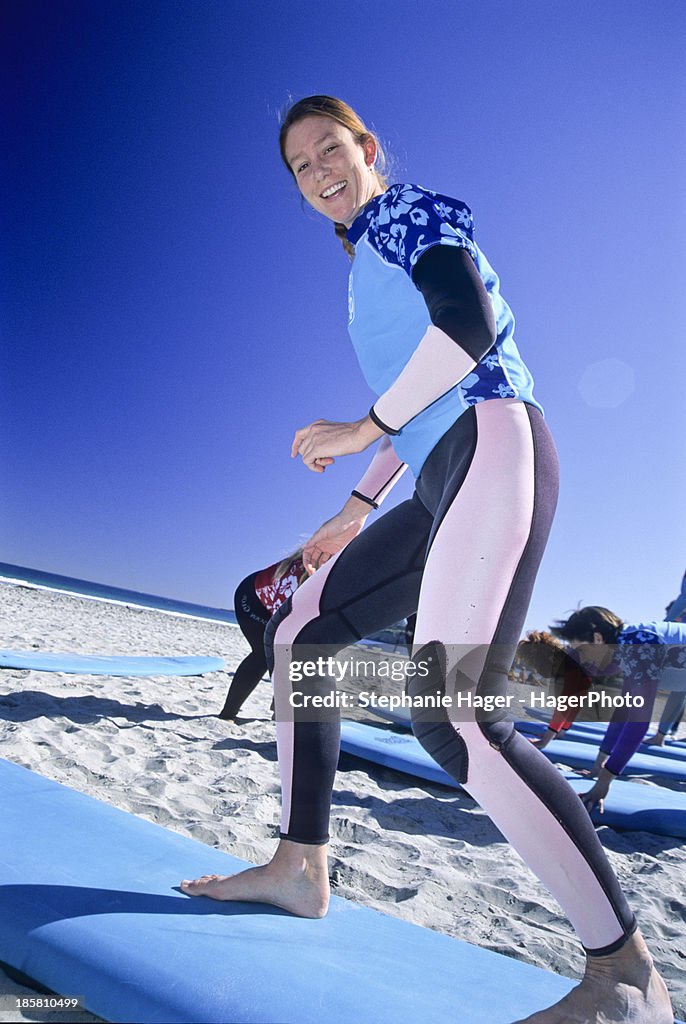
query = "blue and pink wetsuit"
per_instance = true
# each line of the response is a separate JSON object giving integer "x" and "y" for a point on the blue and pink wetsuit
{"x": 435, "y": 341}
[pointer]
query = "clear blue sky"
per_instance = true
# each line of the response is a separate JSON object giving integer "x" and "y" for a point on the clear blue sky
{"x": 172, "y": 314}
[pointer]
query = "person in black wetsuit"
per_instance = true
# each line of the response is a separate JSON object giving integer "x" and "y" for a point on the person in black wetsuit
{"x": 256, "y": 599}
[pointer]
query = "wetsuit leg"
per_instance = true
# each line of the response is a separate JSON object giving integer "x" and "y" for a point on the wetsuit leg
{"x": 492, "y": 523}
{"x": 371, "y": 584}
{"x": 252, "y": 619}
{"x": 672, "y": 712}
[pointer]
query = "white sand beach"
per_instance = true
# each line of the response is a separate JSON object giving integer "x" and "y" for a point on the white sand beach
{"x": 154, "y": 747}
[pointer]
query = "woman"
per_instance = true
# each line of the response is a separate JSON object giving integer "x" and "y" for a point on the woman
{"x": 543, "y": 654}
{"x": 256, "y": 599}
{"x": 435, "y": 342}
{"x": 639, "y": 653}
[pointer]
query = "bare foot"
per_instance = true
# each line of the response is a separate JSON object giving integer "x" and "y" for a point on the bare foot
{"x": 623, "y": 988}
{"x": 657, "y": 740}
{"x": 296, "y": 879}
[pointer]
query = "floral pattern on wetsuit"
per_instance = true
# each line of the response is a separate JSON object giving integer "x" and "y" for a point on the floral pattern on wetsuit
{"x": 272, "y": 592}
{"x": 407, "y": 220}
{"x": 401, "y": 225}
{"x": 643, "y": 656}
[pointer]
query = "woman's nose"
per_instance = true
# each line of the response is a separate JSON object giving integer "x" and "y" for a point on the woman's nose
{"x": 321, "y": 170}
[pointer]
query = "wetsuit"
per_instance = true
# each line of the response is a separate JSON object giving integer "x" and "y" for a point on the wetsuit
{"x": 256, "y": 599}
{"x": 643, "y": 653}
{"x": 676, "y": 611}
{"x": 435, "y": 342}
{"x": 576, "y": 684}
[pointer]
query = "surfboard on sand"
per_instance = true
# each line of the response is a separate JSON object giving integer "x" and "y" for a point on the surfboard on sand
{"x": 628, "y": 806}
{"x": 109, "y": 665}
{"x": 88, "y": 907}
{"x": 579, "y": 746}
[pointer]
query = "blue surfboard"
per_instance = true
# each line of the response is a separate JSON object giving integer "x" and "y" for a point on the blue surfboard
{"x": 597, "y": 729}
{"x": 574, "y": 735}
{"x": 670, "y": 762}
{"x": 628, "y": 806}
{"x": 109, "y": 665}
{"x": 88, "y": 907}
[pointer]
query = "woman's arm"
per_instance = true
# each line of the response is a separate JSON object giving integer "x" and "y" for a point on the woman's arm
{"x": 382, "y": 474}
{"x": 461, "y": 332}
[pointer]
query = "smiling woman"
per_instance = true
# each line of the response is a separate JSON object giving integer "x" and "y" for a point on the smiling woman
{"x": 435, "y": 341}
{"x": 334, "y": 158}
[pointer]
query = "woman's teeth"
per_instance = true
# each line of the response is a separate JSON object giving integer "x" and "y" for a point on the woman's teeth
{"x": 328, "y": 192}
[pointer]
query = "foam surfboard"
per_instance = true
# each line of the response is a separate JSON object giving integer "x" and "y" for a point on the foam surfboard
{"x": 88, "y": 907}
{"x": 671, "y": 753}
{"x": 583, "y": 755}
{"x": 648, "y": 761}
{"x": 109, "y": 665}
{"x": 628, "y": 806}
{"x": 595, "y": 728}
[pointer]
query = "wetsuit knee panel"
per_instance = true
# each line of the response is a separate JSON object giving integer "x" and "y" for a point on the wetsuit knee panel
{"x": 431, "y": 725}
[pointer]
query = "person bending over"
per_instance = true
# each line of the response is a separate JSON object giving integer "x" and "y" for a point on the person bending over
{"x": 544, "y": 654}
{"x": 638, "y": 652}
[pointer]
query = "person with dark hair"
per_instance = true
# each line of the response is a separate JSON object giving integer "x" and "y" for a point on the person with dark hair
{"x": 639, "y": 653}
{"x": 547, "y": 657}
{"x": 435, "y": 341}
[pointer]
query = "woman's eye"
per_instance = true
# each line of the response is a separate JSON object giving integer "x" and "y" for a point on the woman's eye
{"x": 300, "y": 168}
{"x": 329, "y": 148}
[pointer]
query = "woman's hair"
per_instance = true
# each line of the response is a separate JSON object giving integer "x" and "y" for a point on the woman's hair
{"x": 285, "y": 563}
{"x": 337, "y": 110}
{"x": 582, "y": 624}
{"x": 543, "y": 654}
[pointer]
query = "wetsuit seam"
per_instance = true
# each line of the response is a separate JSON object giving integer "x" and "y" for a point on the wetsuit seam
{"x": 531, "y": 784}
{"x": 454, "y": 490}
{"x": 502, "y": 748}
{"x": 389, "y": 483}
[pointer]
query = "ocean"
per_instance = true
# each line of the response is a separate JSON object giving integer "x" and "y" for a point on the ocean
{"x": 105, "y": 592}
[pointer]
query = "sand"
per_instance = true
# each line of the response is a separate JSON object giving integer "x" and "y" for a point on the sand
{"x": 155, "y": 747}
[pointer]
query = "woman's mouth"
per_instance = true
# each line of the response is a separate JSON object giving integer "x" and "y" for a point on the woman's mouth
{"x": 333, "y": 190}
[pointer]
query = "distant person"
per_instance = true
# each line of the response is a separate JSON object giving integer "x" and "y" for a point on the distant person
{"x": 435, "y": 339}
{"x": 676, "y": 610}
{"x": 546, "y": 656}
{"x": 605, "y": 645}
{"x": 670, "y": 721}
{"x": 256, "y": 599}
{"x": 675, "y": 705}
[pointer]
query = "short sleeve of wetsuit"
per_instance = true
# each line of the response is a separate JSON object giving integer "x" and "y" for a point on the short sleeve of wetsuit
{"x": 409, "y": 220}
{"x": 640, "y": 655}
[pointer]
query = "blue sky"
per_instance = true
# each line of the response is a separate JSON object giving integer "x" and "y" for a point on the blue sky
{"x": 172, "y": 314}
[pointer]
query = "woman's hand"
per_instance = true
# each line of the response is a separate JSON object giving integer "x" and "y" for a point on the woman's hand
{"x": 333, "y": 535}
{"x": 596, "y": 795}
{"x": 544, "y": 739}
{"x": 323, "y": 440}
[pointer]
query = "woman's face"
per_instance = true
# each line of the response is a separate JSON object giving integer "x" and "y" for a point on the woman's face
{"x": 333, "y": 171}
{"x": 594, "y": 657}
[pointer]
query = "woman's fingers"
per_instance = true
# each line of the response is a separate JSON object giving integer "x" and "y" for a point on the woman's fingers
{"x": 590, "y": 800}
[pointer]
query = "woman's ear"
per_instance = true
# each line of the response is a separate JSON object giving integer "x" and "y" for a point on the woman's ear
{"x": 370, "y": 151}
{"x": 597, "y": 638}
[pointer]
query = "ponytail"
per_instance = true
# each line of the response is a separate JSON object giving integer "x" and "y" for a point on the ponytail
{"x": 342, "y": 232}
